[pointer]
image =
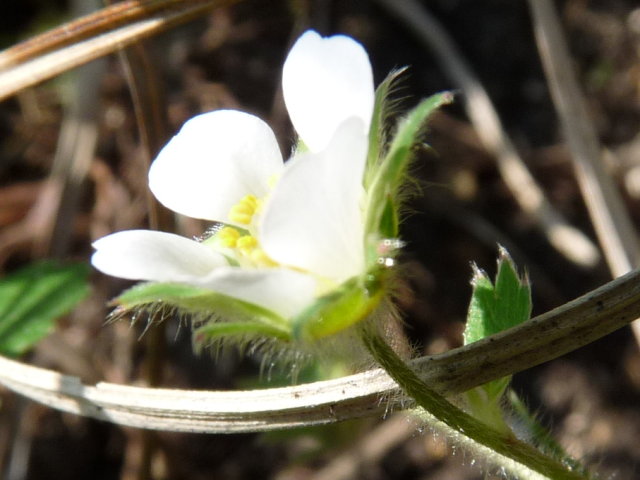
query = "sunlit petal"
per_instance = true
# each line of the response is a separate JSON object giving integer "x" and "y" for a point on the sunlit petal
{"x": 285, "y": 292}
{"x": 154, "y": 256}
{"x": 215, "y": 160}
{"x": 325, "y": 81}
{"x": 313, "y": 219}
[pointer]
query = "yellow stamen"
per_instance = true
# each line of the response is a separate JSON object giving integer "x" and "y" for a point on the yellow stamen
{"x": 246, "y": 244}
{"x": 228, "y": 236}
{"x": 243, "y": 211}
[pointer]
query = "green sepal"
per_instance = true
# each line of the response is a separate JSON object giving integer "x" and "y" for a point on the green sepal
{"x": 32, "y": 298}
{"x": 387, "y": 232}
{"x": 388, "y": 227}
{"x": 494, "y": 308}
{"x": 382, "y": 109}
{"x": 239, "y": 330}
{"x": 388, "y": 176}
{"x": 341, "y": 308}
{"x": 195, "y": 300}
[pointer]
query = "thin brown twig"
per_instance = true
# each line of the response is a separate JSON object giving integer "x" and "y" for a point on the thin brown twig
{"x": 146, "y": 91}
{"x": 151, "y": 119}
{"x": 90, "y": 25}
{"x": 145, "y": 88}
{"x": 32, "y": 70}
{"x": 74, "y": 154}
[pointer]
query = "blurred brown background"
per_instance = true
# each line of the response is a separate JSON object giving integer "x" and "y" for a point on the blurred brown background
{"x": 59, "y": 191}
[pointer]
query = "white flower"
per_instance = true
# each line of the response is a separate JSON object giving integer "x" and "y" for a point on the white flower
{"x": 292, "y": 231}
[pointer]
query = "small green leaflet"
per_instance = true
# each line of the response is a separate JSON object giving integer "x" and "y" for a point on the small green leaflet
{"x": 494, "y": 308}
{"x": 32, "y": 298}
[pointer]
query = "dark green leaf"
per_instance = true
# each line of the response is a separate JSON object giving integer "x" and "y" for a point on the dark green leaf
{"x": 32, "y": 298}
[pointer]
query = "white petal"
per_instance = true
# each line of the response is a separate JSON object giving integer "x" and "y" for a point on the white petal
{"x": 285, "y": 292}
{"x": 215, "y": 160}
{"x": 313, "y": 219}
{"x": 324, "y": 82}
{"x": 154, "y": 256}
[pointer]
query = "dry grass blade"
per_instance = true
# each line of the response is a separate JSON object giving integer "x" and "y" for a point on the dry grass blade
{"x": 568, "y": 240}
{"x": 91, "y": 37}
{"x": 610, "y": 218}
{"x": 543, "y": 338}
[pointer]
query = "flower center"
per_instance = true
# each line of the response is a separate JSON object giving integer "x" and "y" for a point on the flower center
{"x": 244, "y": 243}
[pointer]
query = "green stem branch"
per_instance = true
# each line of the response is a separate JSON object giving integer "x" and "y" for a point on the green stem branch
{"x": 499, "y": 448}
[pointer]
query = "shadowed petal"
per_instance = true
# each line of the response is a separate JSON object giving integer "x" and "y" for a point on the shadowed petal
{"x": 216, "y": 159}
{"x": 154, "y": 256}
{"x": 285, "y": 292}
{"x": 324, "y": 82}
{"x": 313, "y": 219}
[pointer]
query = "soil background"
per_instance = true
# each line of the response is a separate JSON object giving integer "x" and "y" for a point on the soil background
{"x": 232, "y": 58}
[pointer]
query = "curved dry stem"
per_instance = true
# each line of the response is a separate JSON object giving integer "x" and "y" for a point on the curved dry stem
{"x": 86, "y": 26}
{"x": 543, "y": 338}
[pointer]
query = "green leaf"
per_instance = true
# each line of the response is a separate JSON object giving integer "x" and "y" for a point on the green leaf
{"x": 32, "y": 298}
{"x": 390, "y": 174}
{"x": 194, "y": 300}
{"x": 495, "y": 308}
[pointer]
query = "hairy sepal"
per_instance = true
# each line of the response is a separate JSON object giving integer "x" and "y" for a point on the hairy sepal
{"x": 388, "y": 175}
{"x": 343, "y": 307}
{"x": 199, "y": 302}
{"x": 378, "y": 131}
{"x": 237, "y": 333}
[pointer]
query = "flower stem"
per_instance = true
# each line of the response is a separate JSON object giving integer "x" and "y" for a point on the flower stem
{"x": 502, "y": 449}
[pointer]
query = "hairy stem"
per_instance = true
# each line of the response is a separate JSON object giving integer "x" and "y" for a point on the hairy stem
{"x": 502, "y": 449}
